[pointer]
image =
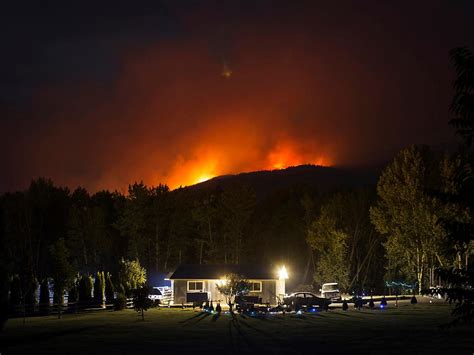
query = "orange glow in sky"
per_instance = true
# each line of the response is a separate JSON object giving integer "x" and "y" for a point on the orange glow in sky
{"x": 210, "y": 162}
{"x": 286, "y": 155}
{"x": 193, "y": 171}
{"x": 217, "y": 94}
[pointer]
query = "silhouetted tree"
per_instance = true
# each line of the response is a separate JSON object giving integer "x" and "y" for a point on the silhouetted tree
{"x": 99, "y": 288}
{"x": 44, "y": 220}
{"x": 79, "y": 229}
{"x": 459, "y": 279}
{"x": 73, "y": 295}
{"x": 410, "y": 216}
{"x": 233, "y": 286}
{"x": 141, "y": 302}
{"x": 44, "y": 296}
{"x": 61, "y": 271}
{"x": 237, "y": 204}
{"x": 29, "y": 285}
{"x": 330, "y": 246}
{"x": 16, "y": 296}
{"x": 85, "y": 289}
{"x": 205, "y": 214}
{"x": 160, "y": 248}
{"x": 462, "y": 105}
{"x": 131, "y": 274}
{"x": 135, "y": 221}
{"x": 179, "y": 243}
{"x": 6, "y": 259}
{"x": 109, "y": 288}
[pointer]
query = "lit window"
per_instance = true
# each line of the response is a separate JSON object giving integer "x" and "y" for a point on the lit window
{"x": 255, "y": 287}
{"x": 195, "y": 286}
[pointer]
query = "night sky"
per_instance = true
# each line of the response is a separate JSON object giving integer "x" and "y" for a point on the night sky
{"x": 102, "y": 95}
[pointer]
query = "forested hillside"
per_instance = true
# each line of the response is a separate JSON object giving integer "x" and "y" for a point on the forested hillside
{"x": 260, "y": 217}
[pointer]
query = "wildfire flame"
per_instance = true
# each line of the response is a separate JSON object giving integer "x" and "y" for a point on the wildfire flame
{"x": 286, "y": 155}
{"x": 203, "y": 178}
{"x": 211, "y": 162}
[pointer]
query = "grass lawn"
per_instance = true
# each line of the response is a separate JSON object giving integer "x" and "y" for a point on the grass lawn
{"x": 406, "y": 329}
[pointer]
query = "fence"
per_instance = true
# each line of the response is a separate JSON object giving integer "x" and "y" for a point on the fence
{"x": 30, "y": 310}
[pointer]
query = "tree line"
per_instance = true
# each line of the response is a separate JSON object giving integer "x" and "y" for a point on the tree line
{"x": 48, "y": 231}
{"x": 356, "y": 236}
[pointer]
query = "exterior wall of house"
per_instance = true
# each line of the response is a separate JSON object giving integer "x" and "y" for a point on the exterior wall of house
{"x": 280, "y": 289}
{"x": 214, "y": 294}
{"x": 179, "y": 291}
{"x": 269, "y": 293}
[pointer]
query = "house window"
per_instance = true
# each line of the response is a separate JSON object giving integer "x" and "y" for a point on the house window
{"x": 255, "y": 286}
{"x": 195, "y": 286}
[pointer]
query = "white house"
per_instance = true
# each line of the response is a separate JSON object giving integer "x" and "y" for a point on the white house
{"x": 197, "y": 283}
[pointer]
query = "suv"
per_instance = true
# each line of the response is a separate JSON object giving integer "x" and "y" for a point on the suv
{"x": 331, "y": 291}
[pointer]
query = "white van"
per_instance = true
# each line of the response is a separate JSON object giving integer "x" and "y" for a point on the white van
{"x": 331, "y": 291}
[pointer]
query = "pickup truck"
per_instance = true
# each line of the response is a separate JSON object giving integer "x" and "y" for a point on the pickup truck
{"x": 331, "y": 291}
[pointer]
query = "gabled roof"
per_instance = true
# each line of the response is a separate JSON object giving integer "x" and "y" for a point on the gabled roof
{"x": 217, "y": 271}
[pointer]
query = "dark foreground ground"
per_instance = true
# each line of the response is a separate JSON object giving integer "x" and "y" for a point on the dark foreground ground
{"x": 406, "y": 329}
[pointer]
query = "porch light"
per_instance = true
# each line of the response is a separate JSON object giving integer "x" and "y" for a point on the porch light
{"x": 282, "y": 273}
{"x": 223, "y": 280}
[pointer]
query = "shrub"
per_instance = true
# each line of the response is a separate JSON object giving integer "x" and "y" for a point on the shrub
{"x": 29, "y": 284}
{"x": 99, "y": 288}
{"x": 141, "y": 302}
{"x": 73, "y": 294}
{"x": 345, "y": 306}
{"x": 85, "y": 289}
{"x": 62, "y": 272}
{"x": 120, "y": 288}
{"x": 4, "y": 288}
{"x": 15, "y": 292}
{"x": 120, "y": 302}
{"x": 131, "y": 274}
{"x": 109, "y": 288}
{"x": 44, "y": 296}
{"x": 358, "y": 303}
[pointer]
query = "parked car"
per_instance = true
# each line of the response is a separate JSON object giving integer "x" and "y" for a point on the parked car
{"x": 305, "y": 300}
{"x": 331, "y": 291}
{"x": 155, "y": 294}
